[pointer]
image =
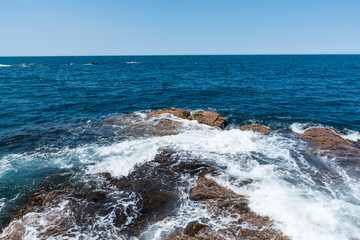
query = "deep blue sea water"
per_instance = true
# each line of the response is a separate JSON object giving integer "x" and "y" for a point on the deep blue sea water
{"x": 47, "y": 106}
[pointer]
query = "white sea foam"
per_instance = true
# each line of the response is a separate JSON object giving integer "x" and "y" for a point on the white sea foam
{"x": 131, "y": 62}
{"x": 26, "y": 65}
{"x": 297, "y": 209}
{"x": 301, "y": 127}
{"x": 5, "y": 65}
{"x": 351, "y": 135}
{"x": 305, "y": 201}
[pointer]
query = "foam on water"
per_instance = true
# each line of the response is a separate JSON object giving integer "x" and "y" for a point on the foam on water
{"x": 26, "y": 65}
{"x": 283, "y": 188}
{"x": 306, "y": 200}
{"x": 351, "y": 135}
{"x": 5, "y": 65}
{"x": 301, "y": 127}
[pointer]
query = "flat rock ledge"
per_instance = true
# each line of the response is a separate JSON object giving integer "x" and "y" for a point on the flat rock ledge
{"x": 256, "y": 128}
{"x": 210, "y": 118}
{"x": 329, "y": 141}
{"x": 180, "y": 113}
{"x": 221, "y": 202}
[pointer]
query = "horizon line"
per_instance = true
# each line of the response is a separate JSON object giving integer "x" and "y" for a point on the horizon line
{"x": 155, "y": 55}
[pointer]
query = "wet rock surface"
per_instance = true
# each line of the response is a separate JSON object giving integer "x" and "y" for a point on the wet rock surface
{"x": 112, "y": 207}
{"x": 181, "y": 113}
{"x": 155, "y": 124}
{"x": 256, "y": 128}
{"x": 108, "y": 208}
{"x": 224, "y": 203}
{"x": 136, "y": 125}
{"x": 210, "y": 118}
{"x": 328, "y": 141}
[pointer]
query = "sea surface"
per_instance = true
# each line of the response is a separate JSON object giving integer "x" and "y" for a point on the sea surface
{"x": 52, "y": 111}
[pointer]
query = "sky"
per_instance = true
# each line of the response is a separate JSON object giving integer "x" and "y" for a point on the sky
{"x": 178, "y": 27}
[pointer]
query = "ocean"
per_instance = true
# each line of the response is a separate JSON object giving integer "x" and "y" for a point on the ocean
{"x": 52, "y": 115}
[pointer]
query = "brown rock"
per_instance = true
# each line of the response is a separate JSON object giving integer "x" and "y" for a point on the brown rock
{"x": 327, "y": 140}
{"x": 194, "y": 227}
{"x": 208, "y": 189}
{"x": 222, "y": 202}
{"x": 256, "y": 128}
{"x": 137, "y": 126}
{"x": 210, "y": 118}
{"x": 181, "y": 113}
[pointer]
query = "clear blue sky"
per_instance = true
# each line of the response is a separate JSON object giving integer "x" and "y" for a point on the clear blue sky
{"x": 156, "y": 27}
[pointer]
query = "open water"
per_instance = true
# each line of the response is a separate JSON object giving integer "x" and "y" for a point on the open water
{"x": 52, "y": 111}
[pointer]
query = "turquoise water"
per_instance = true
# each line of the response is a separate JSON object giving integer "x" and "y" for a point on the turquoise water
{"x": 51, "y": 114}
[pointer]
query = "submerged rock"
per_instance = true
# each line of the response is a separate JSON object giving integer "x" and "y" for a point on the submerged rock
{"x": 327, "y": 140}
{"x": 210, "y": 118}
{"x": 256, "y": 128}
{"x": 181, "y": 113}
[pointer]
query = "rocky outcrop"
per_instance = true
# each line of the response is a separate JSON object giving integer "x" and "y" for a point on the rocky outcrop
{"x": 181, "y": 113}
{"x": 328, "y": 141}
{"x": 93, "y": 63}
{"x": 210, "y": 118}
{"x": 206, "y": 189}
{"x": 256, "y": 128}
{"x": 222, "y": 202}
{"x": 136, "y": 125}
{"x": 64, "y": 209}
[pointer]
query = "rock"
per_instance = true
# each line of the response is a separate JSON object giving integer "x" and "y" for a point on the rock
{"x": 93, "y": 63}
{"x": 210, "y": 118}
{"x": 150, "y": 193}
{"x": 136, "y": 125}
{"x": 221, "y": 202}
{"x": 256, "y": 128}
{"x": 327, "y": 140}
{"x": 180, "y": 113}
{"x": 193, "y": 228}
{"x": 208, "y": 189}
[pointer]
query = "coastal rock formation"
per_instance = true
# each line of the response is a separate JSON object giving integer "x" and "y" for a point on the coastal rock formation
{"x": 181, "y": 113}
{"x": 63, "y": 208}
{"x": 136, "y": 125}
{"x": 210, "y": 118}
{"x": 256, "y": 128}
{"x": 222, "y": 202}
{"x": 329, "y": 141}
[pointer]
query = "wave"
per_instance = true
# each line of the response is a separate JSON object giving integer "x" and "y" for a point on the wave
{"x": 5, "y": 65}
{"x": 351, "y": 135}
{"x": 307, "y": 196}
{"x": 132, "y": 62}
{"x": 348, "y": 134}
{"x": 26, "y": 65}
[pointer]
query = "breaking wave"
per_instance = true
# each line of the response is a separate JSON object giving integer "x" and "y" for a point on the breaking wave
{"x": 307, "y": 196}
